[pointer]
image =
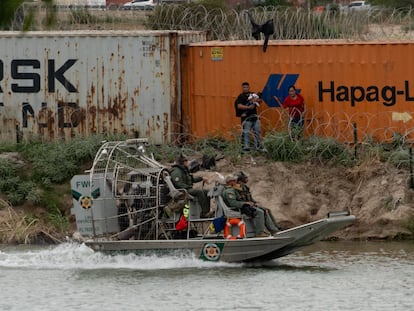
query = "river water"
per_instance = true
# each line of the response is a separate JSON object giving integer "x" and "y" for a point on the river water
{"x": 324, "y": 276}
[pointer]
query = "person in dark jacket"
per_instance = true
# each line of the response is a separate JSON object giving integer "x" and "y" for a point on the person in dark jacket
{"x": 183, "y": 179}
{"x": 246, "y": 104}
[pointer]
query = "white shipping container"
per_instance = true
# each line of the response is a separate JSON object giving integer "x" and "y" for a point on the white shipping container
{"x": 80, "y": 3}
{"x": 63, "y": 84}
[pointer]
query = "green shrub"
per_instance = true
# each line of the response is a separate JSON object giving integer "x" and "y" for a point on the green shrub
{"x": 16, "y": 188}
{"x": 326, "y": 149}
{"x": 9, "y": 184}
{"x": 7, "y": 169}
{"x": 59, "y": 221}
{"x": 281, "y": 148}
{"x": 211, "y": 143}
{"x": 56, "y": 162}
{"x": 166, "y": 152}
{"x": 399, "y": 157}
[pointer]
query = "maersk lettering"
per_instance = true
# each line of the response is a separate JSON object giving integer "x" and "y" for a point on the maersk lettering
{"x": 30, "y": 76}
{"x": 59, "y": 75}
{"x": 26, "y": 75}
{"x": 63, "y": 111}
{"x": 386, "y": 95}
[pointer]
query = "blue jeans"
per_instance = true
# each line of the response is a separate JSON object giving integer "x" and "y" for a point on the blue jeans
{"x": 296, "y": 128}
{"x": 248, "y": 126}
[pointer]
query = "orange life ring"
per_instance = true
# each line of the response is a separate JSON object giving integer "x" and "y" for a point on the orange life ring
{"x": 235, "y": 222}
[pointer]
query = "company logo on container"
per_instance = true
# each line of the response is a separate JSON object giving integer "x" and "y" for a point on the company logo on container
{"x": 276, "y": 88}
{"x": 354, "y": 94}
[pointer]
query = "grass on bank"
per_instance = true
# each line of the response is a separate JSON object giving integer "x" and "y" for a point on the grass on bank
{"x": 38, "y": 173}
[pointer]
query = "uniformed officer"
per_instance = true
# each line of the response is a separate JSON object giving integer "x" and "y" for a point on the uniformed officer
{"x": 233, "y": 199}
{"x": 246, "y": 195}
{"x": 183, "y": 179}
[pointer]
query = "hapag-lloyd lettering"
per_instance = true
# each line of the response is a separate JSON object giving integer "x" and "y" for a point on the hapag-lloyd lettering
{"x": 386, "y": 95}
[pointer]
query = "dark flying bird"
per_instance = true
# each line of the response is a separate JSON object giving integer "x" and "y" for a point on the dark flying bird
{"x": 267, "y": 29}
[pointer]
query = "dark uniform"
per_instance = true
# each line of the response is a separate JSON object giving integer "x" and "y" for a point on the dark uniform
{"x": 270, "y": 221}
{"x": 233, "y": 199}
{"x": 182, "y": 179}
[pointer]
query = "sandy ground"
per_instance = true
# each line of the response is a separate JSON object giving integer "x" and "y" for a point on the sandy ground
{"x": 377, "y": 194}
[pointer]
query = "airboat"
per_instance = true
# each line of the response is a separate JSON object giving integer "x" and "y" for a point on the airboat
{"x": 127, "y": 203}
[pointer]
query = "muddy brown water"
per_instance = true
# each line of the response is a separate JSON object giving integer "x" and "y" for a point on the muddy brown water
{"x": 324, "y": 276}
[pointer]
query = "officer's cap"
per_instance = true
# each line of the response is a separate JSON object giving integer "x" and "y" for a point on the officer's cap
{"x": 181, "y": 159}
{"x": 230, "y": 178}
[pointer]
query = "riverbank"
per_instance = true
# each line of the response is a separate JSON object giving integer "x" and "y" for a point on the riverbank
{"x": 376, "y": 193}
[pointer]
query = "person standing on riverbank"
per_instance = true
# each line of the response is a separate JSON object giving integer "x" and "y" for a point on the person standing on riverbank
{"x": 246, "y": 105}
{"x": 295, "y": 103}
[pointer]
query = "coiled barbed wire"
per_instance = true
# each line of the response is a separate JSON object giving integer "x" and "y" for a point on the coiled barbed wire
{"x": 230, "y": 24}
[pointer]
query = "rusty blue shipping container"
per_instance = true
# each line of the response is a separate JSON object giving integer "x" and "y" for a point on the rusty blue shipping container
{"x": 65, "y": 84}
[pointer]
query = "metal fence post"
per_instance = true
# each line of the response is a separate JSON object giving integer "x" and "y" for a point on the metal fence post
{"x": 411, "y": 167}
{"x": 355, "y": 140}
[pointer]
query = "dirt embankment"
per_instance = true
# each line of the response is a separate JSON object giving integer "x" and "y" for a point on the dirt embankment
{"x": 377, "y": 194}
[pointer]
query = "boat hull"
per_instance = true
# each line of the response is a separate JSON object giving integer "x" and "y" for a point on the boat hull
{"x": 308, "y": 234}
{"x": 240, "y": 250}
{"x": 206, "y": 249}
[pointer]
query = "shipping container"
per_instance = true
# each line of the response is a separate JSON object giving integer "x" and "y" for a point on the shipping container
{"x": 89, "y": 4}
{"x": 65, "y": 84}
{"x": 351, "y": 89}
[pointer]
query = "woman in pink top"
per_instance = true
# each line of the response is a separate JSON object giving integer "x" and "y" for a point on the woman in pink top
{"x": 296, "y": 105}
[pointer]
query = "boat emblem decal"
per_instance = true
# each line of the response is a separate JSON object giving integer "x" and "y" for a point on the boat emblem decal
{"x": 211, "y": 251}
{"x": 85, "y": 202}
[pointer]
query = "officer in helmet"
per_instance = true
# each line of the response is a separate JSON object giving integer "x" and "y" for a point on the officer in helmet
{"x": 246, "y": 195}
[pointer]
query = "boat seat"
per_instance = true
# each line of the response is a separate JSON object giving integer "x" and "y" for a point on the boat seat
{"x": 227, "y": 211}
{"x": 224, "y": 209}
{"x": 194, "y": 216}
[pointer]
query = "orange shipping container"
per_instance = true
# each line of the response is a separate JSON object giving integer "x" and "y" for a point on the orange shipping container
{"x": 367, "y": 85}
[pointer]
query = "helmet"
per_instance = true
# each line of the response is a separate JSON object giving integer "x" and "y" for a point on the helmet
{"x": 241, "y": 176}
{"x": 181, "y": 159}
{"x": 230, "y": 178}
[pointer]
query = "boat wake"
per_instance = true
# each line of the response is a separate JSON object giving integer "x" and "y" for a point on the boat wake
{"x": 74, "y": 256}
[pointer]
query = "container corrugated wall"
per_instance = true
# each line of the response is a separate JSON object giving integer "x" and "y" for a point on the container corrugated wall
{"x": 64, "y": 84}
{"x": 346, "y": 85}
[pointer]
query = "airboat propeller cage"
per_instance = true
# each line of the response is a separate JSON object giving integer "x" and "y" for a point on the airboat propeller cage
{"x": 127, "y": 176}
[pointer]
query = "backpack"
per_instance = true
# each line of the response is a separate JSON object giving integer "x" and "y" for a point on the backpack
{"x": 208, "y": 162}
{"x": 194, "y": 166}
